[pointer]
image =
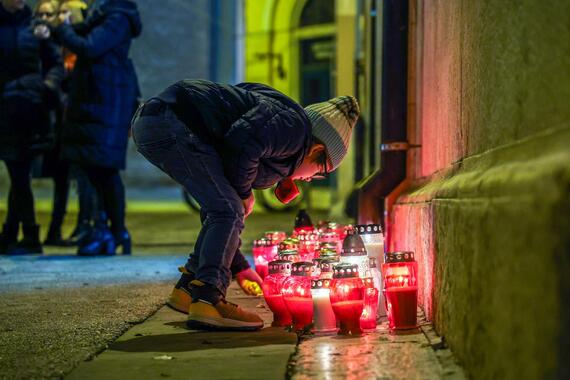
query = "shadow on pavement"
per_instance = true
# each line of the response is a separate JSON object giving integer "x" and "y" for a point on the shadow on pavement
{"x": 194, "y": 340}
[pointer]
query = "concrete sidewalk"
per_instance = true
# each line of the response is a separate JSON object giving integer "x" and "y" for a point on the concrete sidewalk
{"x": 162, "y": 347}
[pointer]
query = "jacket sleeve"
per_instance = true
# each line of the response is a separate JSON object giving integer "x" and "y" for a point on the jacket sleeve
{"x": 52, "y": 63}
{"x": 102, "y": 38}
{"x": 266, "y": 130}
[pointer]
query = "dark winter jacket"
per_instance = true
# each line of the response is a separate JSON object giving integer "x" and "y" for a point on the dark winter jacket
{"x": 30, "y": 74}
{"x": 261, "y": 134}
{"x": 104, "y": 89}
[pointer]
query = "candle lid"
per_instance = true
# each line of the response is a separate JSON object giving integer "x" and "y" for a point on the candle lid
{"x": 368, "y": 282}
{"x": 328, "y": 246}
{"x": 365, "y": 229}
{"x": 326, "y": 265}
{"x": 263, "y": 242}
{"x": 289, "y": 244}
{"x": 279, "y": 267}
{"x": 353, "y": 246}
{"x": 276, "y": 235}
{"x": 303, "y": 268}
{"x": 345, "y": 270}
{"x": 320, "y": 283}
{"x": 327, "y": 252}
{"x": 292, "y": 253}
{"x": 303, "y": 219}
{"x": 399, "y": 257}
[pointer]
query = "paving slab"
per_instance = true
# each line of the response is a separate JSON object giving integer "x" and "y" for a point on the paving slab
{"x": 382, "y": 354}
{"x": 162, "y": 347}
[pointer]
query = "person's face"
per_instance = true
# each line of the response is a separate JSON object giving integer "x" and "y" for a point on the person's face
{"x": 13, "y": 5}
{"x": 311, "y": 167}
{"x": 46, "y": 12}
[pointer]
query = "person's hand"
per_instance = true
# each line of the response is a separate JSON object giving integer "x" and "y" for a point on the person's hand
{"x": 42, "y": 32}
{"x": 248, "y": 205}
{"x": 250, "y": 282}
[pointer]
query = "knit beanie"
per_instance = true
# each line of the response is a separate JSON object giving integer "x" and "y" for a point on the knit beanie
{"x": 332, "y": 123}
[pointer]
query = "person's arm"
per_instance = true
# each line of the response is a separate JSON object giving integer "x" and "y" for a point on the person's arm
{"x": 244, "y": 149}
{"x": 102, "y": 38}
{"x": 52, "y": 64}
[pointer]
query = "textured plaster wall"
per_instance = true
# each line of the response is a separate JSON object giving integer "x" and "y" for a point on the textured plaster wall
{"x": 489, "y": 217}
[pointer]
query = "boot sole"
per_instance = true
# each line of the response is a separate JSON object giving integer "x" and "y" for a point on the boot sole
{"x": 210, "y": 324}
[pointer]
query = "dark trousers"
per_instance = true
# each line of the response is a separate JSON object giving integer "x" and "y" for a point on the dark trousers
{"x": 60, "y": 194}
{"x": 20, "y": 197}
{"x": 168, "y": 144}
{"x": 111, "y": 192}
{"x": 89, "y": 204}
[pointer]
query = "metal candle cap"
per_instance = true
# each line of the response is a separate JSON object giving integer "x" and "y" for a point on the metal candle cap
{"x": 353, "y": 246}
{"x": 345, "y": 270}
{"x": 364, "y": 229}
{"x": 263, "y": 242}
{"x": 289, "y": 254}
{"x": 303, "y": 219}
{"x": 280, "y": 267}
{"x": 320, "y": 283}
{"x": 326, "y": 265}
{"x": 303, "y": 268}
{"x": 399, "y": 257}
{"x": 289, "y": 243}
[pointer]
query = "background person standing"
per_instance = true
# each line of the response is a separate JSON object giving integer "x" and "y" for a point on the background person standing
{"x": 30, "y": 74}
{"x": 102, "y": 99}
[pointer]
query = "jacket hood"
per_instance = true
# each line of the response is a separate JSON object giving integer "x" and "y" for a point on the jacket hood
{"x": 126, "y": 7}
{"x": 16, "y": 17}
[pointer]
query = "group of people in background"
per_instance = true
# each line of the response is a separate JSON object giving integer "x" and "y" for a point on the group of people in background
{"x": 68, "y": 91}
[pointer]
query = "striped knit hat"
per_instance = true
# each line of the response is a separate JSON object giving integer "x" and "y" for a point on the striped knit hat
{"x": 332, "y": 123}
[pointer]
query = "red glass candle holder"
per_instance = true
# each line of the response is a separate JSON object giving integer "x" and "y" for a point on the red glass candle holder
{"x": 276, "y": 237}
{"x": 330, "y": 238}
{"x": 297, "y": 294}
{"x": 308, "y": 243}
{"x": 260, "y": 257}
{"x": 401, "y": 289}
{"x": 354, "y": 252}
{"x": 369, "y": 315}
{"x": 279, "y": 271}
{"x": 347, "y": 298}
{"x": 324, "y": 320}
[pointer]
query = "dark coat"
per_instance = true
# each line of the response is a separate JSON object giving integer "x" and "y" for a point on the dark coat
{"x": 104, "y": 89}
{"x": 30, "y": 74}
{"x": 261, "y": 134}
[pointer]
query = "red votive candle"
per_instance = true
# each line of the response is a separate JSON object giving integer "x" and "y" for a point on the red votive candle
{"x": 370, "y": 313}
{"x": 279, "y": 271}
{"x": 297, "y": 294}
{"x": 260, "y": 257}
{"x": 347, "y": 298}
{"x": 401, "y": 289}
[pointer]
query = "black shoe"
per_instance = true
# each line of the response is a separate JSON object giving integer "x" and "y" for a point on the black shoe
{"x": 54, "y": 238}
{"x": 29, "y": 244}
{"x": 123, "y": 240}
{"x": 8, "y": 237}
{"x": 80, "y": 234}
{"x": 101, "y": 242}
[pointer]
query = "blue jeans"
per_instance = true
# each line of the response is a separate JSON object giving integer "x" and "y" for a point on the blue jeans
{"x": 171, "y": 146}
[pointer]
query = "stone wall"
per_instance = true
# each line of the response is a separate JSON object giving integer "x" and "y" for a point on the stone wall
{"x": 489, "y": 212}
